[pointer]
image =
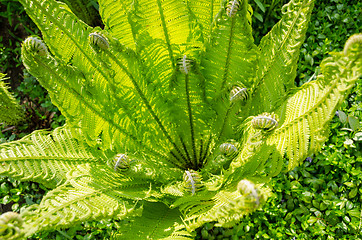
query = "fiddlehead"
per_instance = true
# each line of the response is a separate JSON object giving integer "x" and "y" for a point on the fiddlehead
{"x": 11, "y": 226}
{"x": 232, "y": 8}
{"x": 36, "y": 45}
{"x": 265, "y": 121}
{"x": 98, "y": 41}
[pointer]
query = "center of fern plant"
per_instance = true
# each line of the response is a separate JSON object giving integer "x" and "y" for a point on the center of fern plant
{"x": 173, "y": 113}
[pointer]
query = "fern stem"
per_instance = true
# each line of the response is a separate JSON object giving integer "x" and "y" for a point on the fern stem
{"x": 200, "y": 151}
{"x": 145, "y": 101}
{"x": 202, "y": 83}
{"x": 227, "y": 114}
{"x": 178, "y": 160}
{"x": 185, "y": 149}
{"x": 206, "y": 150}
{"x": 190, "y": 119}
{"x": 165, "y": 32}
{"x": 211, "y": 16}
{"x": 227, "y": 62}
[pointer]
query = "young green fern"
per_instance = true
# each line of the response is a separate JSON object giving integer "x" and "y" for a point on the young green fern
{"x": 170, "y": 106}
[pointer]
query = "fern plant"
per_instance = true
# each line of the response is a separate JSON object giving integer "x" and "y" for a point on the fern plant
{"x": 175, "y": 118}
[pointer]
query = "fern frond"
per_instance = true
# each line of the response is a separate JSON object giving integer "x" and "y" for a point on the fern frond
{"x": 167, "y": 20}
{"x": 227, "y": 208}
{"x": 303, "y": 126}
{"x": 158, "y": 221}
{"x": 79, "y": 104}
{"x": 228, "y": 62}
{"x": 231, "y": 53}
{"x": 279, "y": 55}
{"x": 46, "y": 157}
{"x": 11, "y": 112}
{"x": 83, "y": 197}
{"x": 115, "y": 16}
{"x": 205, "y": 12}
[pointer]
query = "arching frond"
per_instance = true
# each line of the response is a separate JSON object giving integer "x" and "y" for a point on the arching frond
{"x": 303, "y": 127}
{"x": 83, "y": 197}
{"x": 10, "y": 110}
{"x": 279, "y": 55}
{"x": 46, "y": 157}
{"x": 205, "y": 12}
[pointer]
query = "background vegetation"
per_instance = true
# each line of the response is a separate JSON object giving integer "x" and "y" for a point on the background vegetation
{"x": 321, "y": 199}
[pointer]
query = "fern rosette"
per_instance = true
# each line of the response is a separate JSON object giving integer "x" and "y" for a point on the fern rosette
{"x": 206, "y": 116}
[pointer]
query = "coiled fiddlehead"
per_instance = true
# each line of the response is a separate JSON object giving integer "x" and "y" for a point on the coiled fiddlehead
{"x": 228, "y": 149}
{"x": 185, "y": 65}
{"x": 10, "y": 226}
{"x": 192, "y": 181}
{"x": 121, "y": 162}
{"x": 232, "y": 8}
{"x": 35, "y": 45}
{"x": 248, "y": 189}
{"x": 238, "y": 94}
{"x": 351, "y": 41}
{"x": 98, "y": 41}
{"x": 265, "y": 121}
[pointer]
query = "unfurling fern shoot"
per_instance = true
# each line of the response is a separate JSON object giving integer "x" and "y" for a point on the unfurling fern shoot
{"x": 238, "y": 94}
{"x": 10, "y": 226}
{"x": 121, "y": 162}
{"x": 232, "y": 8}
{"x": 265, "y": 121}
{"x": 247, "y": 188}
{"x": 36, "y": 45}
{"x": 192, "y": 181}
{"x": 185, "y": 65}
{"x": 228, "y": 149}
{"x": 98, "y": 40}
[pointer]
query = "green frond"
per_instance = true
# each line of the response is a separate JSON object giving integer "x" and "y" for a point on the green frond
{"x": 279, "y": 55}
{"x": 63, "y": 33}
{"x": 11, "y": 112}
{"x": 230, "y": 55}
{"x": 115, "y": 16}
{"x": 205, "y": 12}
{"x": 81, "y": 198}
{"x": 253, "y": 154}
{"x": 228, "y": 62}
{"x": 303, "y": 128}
{"x": 227, "y": 208}
{"x": 167, "y": 20}
{"x": 82, "y": 105}
{"x": 158, "y": 221}
{"x": 84, "y": 10}
{"x": 46, "y": 157}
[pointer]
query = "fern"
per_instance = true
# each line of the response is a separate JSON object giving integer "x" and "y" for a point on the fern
{"x": 174, "y": 115}
{"x": 10, "y": 113}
